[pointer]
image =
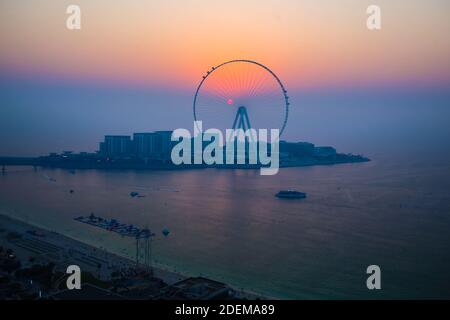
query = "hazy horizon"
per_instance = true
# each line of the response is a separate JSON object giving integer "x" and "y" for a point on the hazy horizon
{"x": 66, "y": 116}
{"x": 135, "y": 68}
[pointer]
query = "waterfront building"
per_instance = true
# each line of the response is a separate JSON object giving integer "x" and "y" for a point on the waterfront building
{"x": 297, "y": 149}
{"x": 164, "y": 144}
{"x": 152, "y": 145}
{"x": 324, "y": 151}
{"x": 116, "y": 146}
{"x": 145, "y": 145}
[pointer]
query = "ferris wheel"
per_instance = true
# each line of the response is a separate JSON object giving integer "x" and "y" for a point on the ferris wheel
{"x": 241, "y": 94}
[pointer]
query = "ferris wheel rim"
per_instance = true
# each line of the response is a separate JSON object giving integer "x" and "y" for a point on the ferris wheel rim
{"x": 283, "y": 88}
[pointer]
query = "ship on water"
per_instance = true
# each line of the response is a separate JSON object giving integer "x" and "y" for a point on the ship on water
{"x": 290, "y": 194}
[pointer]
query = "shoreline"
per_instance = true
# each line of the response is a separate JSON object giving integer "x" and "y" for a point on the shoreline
{"x": 69, "y": 164}
{"x": 80, "y": 249}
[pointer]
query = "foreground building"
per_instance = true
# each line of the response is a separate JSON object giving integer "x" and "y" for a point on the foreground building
{"x": 196, "y": 289}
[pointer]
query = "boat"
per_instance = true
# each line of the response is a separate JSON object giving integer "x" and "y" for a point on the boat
{"x": 290, "y": 194}
{"x": 114, "y": 226}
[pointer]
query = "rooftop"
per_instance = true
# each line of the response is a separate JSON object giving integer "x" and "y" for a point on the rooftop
{"x": 198, "y": 288}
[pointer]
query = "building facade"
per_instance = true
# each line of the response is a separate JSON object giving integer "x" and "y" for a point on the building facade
{"x": 116, "y": 146}
{"x": 144, "y": 146}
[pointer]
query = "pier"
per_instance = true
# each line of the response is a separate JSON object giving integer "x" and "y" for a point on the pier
{"x": 142, "y": 236}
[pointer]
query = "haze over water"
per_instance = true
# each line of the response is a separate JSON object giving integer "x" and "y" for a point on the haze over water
{"x": 226, "y": 224}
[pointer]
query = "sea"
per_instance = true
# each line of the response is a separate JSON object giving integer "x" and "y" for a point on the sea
{"x": 393, "y": 212}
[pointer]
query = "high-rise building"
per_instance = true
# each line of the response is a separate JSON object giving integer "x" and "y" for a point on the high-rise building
{"x": 164, "y": 144}
{"x": 145, "y": 145}
{"x": 116, "y": 146}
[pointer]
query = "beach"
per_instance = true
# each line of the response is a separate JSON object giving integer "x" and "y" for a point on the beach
{"x": 68, "y": 251}
{"x": 33, "y": 245}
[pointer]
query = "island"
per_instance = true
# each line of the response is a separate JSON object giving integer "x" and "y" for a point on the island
{"x": 152, "y": 151}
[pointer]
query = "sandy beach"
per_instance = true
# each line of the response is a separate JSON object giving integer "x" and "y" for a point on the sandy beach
{"x": 47, "y": 246}
{"x": 32, "y": 244}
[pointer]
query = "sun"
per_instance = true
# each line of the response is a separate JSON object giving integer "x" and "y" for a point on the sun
{"x": 230, "y": 102}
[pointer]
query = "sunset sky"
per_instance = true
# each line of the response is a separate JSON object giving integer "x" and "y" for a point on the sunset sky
{"x": 166, "y": 46}
{"x": 163, "y": 43}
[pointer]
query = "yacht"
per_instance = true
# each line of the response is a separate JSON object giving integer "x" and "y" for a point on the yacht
{"x": 290, "y": 194}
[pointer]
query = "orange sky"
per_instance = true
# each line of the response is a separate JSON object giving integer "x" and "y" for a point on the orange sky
{"x": 172, "y": 43}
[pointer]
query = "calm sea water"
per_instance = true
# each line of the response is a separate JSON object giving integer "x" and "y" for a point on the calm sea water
{"x": 393, "y": 211}
{"x": 227, "y": 224}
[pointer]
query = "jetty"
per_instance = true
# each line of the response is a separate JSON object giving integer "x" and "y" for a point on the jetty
{"x": 142, "y": 236}
{"x": 116, "y": 226}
